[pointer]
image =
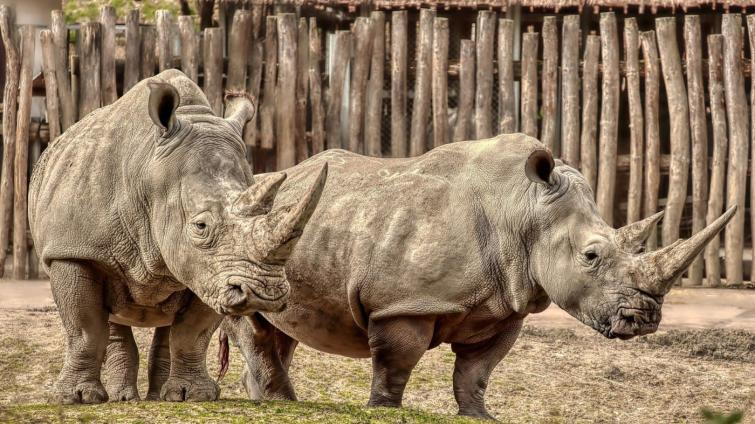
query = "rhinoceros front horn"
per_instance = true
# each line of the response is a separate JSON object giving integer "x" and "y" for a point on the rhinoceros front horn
{"x": 631, "y": 237}
{"x": 664, "y": 266}
{"x": 239, "y": 108}
{"x": 284, "y": 226}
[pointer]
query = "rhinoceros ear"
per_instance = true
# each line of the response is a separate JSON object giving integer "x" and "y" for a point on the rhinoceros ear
{"x": 539, "y": 166}
{"x": 163, "y": 102}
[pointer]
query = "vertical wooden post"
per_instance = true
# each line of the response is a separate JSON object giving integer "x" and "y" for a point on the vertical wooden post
{"x": 213, "y": 69}
{"x": 189, "y": 47}
{"x": 720, "y": 144}
{"x": 465, "y": 111}
{"x": 238, "y": 40}
{"x": 341, "y": 52}
{"x": 549, "y": 123}
{"x": 398, "y": 84}
{"x": 267, "y": 107}
{"x": 10, "y": 102}
{"x": 506, "y": 105}
{"x": 51, "y": 83}
{"x": 251, "y": 130}
{"x": 609, "y": 116}
{"x": 164, "y": 24}
{"x": 374, "y": 115}
{"x": 302, "y": 68}
{"x": 676, "y": 94}
{"x": 21, "y": 163}
{"x": 570, "y": 91}
{"x": 133, "y": 47}
{"x": 529, "y": 82}
{"x": 89, "y": 60}
{"x": 107, "y": 61}
{"x": 360, "y": 68}
{"x": 315, "y": 88}
{"x": 588, "y": 156}
{"x": 699, "y": 133}
{"x": 636, "y": 127}
{"x": 149, "y": 41}
{"x": 652, "y": 129}
{"x": 286, "y": 92}
{"x": 440, "y": 81}
{"x": 59, "y": 30}
{"x": 484, "y": 87}
{"x": 751, "y": 32}
{"x": 421, "y": 105}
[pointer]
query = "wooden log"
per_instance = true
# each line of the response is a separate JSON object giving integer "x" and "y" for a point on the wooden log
{"x": 59, "y": 30}
{"x": 149, "y": 42}
{"x": 676, "y": 95}
{"x": 133, "y": 50}
{"x": 529, "y": 83}
{"x": 506, "y": 99}
{"x": 21, "y": 162}
{"x": 164, "y": 24}
{"x": 285, "y": 124}
{"x": 315, "y": 88}
{"x": 302, "y": 69}
{"x": 398, "y": 84}
{"x": 699, "y": 135}
{"x": 337, "y": 77}
{"x": 421, "y": 105}
{"x": 718, "y": 164}
{"x": 374, "y": 114}
{"x": 549, "y": 122}
{"x": 588, "y": 156}
{"x": 609, "y": 116}
{"x": 267, "y": 107}
{"x": 89, "y": 60}
{"x": 226, "y": 11}
{"x": 258, "y": 16}
{"x": 440, "y": 81}
{"x": 652, "y": 130}
{"x": 465, "y": 110}
{"x": 360, "y": 68}
{"x": 570, "y": 91}
{"x": 251, "y": 130}
{"x": 10, "y": 102}
{"x": 636, "y": 126}
{"x": 189, "y": 47}
{"x": 751, "y": 31}
{"x": 484, "y": 76}
{"x": 213, "y": 69}
{"x": 107, "y": 60}
{"x": 47, "y": 43}
{"x": 238, "y": 41}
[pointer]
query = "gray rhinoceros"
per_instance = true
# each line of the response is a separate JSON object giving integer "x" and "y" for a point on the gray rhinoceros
{"x": 145, "y": 214}
{"x": 456, "y": 246}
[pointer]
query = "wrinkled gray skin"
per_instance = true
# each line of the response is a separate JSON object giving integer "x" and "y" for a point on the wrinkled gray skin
{"x": 145, "y": 214}
{"x": 456, "y": 246}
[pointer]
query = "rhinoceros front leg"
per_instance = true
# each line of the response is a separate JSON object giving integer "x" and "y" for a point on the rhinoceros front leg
{"x": 122, "y": 364}
{"x": 189, "y": 337}
{"x": 79, "y": 294}
{"x": 396, "y": 345}
{"x": 159, "y": 362}
{"x": 474, "y": 364}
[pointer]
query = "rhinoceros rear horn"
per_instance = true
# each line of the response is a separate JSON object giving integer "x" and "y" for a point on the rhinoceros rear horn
{"x": 258, "y": 199}
{"x": 285, "y": 226}
{"x": 163, "y": 102}
{"x": 631, "y": 237}
{"x": 539, "y": 166}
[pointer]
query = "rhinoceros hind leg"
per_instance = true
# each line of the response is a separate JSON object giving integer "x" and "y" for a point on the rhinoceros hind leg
{"x": 122, "y": 364}
{"x": 78, "y": 293}
{"x": 189, "y": 337}
{"x": 474, "y": 363}
{"x": 396, "y": 345}
{"x": 159, "y": 362}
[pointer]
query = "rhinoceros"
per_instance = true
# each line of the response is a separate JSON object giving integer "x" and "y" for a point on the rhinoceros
{"x": 145, "y": 213}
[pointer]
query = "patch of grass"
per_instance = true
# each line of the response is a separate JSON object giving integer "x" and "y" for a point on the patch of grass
{"x": 736, "y": 345}
{"x": 89, "y": 10}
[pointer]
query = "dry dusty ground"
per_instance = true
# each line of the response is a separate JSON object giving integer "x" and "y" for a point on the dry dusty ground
{"x": 551, "y": 375}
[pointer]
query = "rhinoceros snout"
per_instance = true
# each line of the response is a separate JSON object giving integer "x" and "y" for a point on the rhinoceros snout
{"x": 630, "y": 322}
{"x": 244, "y": 297}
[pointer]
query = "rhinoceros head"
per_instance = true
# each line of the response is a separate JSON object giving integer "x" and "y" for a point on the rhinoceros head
{"x": 599, "y": 274}
{"x": 216, "y": 234}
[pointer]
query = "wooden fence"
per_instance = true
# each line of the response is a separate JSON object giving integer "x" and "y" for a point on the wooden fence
{"x": 632, "y": 122}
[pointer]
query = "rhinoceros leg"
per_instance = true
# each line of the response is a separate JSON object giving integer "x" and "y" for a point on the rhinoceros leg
{"x": 189, "y": 337}
{"x": 268, "y": 353}
{"x": 79, "y": 295}
{"x": 474, "y": 363}
{"x": 396, "y": 345}
{"x": 122, "y": 364}
{"x": 159, "y": 362}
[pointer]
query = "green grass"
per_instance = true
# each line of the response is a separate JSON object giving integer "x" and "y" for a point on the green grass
{"x": 89, "y": 10}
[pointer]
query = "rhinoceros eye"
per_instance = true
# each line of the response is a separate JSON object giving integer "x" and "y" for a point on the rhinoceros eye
{"x": 201, "y": 225}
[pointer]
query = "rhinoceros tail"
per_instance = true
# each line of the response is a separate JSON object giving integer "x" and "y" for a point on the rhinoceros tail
{"x": 222, "y": 354}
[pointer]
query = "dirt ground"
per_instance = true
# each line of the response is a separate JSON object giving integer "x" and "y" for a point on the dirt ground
{"x": 551, "y": 375}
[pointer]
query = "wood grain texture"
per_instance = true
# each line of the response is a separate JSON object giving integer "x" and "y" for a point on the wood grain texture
{"x": 107, "y": 59}
{"x": 549, "y": 78}
{"x": 588, "y": 152}
{"x": 440, "y": 82}
{"x": 267, "y": 106}
{"x": 164, "y": 25}
{"x": 131, "y": 67}
{"x": 302, "y": 85}
{"x": 285, "y": 120}
{"x": 68, "y": 108}
{"x": 315, "y": 88}
{"x": 213, "y": 69}
{"x": 399, "y": 145}
{"x": 529, "y": 83}
{"x": 570, "y": 91}
{"x": 341, "y": 53}
{"x": 636, "y": 126}
{"x": 148, "y": 45}
{"x": 374, "y": 114}
{"x": 465, "y": 111}
{"x": 483, "y": 115}
{"x": 609, "y": 117}
{"x": 89, "y": 62}
{"x": 189, "y": 47}
{"x": 421, "y": 105}
{"x": 360, "y": 70}
{"x": 52, "y": 104}
{"x": 652, "y": 130}
{"x": 10, "y": 103}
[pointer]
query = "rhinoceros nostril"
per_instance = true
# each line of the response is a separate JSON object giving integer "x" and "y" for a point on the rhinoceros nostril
{"x": 235, "y": 295}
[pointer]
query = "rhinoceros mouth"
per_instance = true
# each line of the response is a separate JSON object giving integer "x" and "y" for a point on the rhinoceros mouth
{"x": 630, "y": 322}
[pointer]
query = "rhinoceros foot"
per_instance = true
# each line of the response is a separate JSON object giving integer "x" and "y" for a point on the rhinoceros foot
{"x": 123, "y": 394}
{"x": 87, "y": 392}
{"x": 198, "y": 389}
